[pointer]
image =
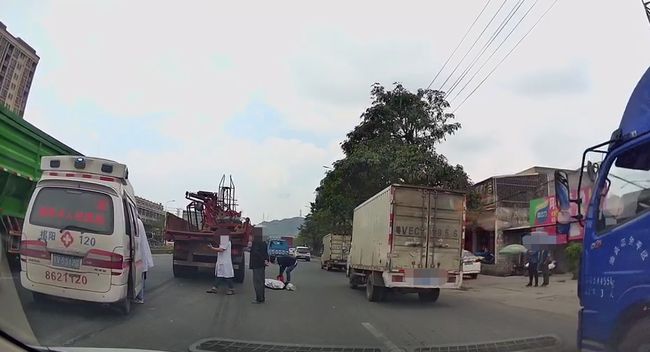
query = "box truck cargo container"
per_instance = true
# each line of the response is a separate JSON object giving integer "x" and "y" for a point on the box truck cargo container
{"x": 408, "y": 239}
{"x": 336, "y": 248}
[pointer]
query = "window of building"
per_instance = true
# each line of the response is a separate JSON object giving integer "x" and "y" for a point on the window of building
{"x": 10, "y": 96}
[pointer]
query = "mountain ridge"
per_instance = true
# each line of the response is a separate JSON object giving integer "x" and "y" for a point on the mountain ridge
{"x": 282, "y": 227}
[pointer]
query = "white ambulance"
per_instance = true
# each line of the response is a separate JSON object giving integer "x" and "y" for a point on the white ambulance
{"x": 80, "y": 236}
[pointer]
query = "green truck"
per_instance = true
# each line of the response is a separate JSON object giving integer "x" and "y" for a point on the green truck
{"x": 21, "y": 147}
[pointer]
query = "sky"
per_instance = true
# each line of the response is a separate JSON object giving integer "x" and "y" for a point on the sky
{"x": 184, "y": 92}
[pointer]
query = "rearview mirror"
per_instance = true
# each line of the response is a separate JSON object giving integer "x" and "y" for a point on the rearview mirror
{"x": 562, "y": 202}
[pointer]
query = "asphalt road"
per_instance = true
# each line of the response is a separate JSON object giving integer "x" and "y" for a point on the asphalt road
{"x": 322, "y": 311}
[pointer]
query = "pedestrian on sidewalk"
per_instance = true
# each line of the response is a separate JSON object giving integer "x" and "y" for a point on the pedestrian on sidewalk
{"x": 533, "y": 267}
{"x": 259, "y": 260}
{"x": 147, "y": 259}
{"x": 545, "y": 261}
{"x": 223, "y": 271}
{"x": 287, "y": 263}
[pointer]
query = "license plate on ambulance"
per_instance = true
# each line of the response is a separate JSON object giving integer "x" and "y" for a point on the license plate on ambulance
{"x": 66, "y": 261}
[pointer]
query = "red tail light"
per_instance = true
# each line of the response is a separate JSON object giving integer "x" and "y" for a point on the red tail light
{"x": 103, "y": 259}
{"x": 35, "y": 249}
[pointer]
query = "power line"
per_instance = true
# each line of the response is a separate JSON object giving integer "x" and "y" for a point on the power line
{"x": 459, "y": 44}
{"x": 495, "y": 51}
{"x": 472, "y": 46}
{"x": 505, "y": 57}
{"x": 487, "y": 44}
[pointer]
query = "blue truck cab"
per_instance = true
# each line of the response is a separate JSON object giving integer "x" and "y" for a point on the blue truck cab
{"x": 277, "y": 247}
{"x": 614, "y": 279}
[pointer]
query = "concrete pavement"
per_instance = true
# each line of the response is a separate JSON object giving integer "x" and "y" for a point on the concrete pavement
{"x": 559, "y": 297}
{"x": 323, "y": 311}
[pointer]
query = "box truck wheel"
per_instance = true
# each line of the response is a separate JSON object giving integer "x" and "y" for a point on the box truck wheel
{"x": 354, "y": 282}
{"x": 429, "y": 295}
{"x": 374, "y": 293}
{"x": 636, "y": 338}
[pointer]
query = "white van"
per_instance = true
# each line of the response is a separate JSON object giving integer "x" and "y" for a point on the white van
{"x": 80, "y": 236}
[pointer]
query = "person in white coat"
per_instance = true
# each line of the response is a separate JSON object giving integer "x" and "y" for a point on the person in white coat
{"x": 147, "y": 259}
{"x": 224, "y": 270}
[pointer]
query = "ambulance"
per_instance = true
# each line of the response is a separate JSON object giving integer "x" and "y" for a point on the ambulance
{"x": 80, "y": 237}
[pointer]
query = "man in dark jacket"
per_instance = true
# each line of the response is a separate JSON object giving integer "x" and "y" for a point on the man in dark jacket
{"x": 259, "y": 259}
{"x": 287, "y": 263}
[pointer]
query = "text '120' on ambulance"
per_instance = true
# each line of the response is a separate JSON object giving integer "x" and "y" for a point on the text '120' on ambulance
{"x": 80, "y": 236}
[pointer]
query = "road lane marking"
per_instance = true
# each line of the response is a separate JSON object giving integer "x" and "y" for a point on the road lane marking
{"x": 382, "y": 338}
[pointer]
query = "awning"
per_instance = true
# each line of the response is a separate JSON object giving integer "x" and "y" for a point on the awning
{"x": 542, "y": 238}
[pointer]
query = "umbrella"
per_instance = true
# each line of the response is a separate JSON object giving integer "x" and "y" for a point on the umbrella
{"x": 513, "y": 249}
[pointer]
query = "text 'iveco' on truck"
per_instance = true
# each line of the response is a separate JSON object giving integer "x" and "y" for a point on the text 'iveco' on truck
{"x": 408, "y": 239}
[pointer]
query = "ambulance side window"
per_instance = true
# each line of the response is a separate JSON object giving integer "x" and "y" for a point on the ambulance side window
{"x": 134, "y": 221}
{"x": 127, "y": 218}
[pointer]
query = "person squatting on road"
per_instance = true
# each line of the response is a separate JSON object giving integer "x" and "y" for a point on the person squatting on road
{"x": 223, "y": 271}
{"x": 259, "y": 260}
{"x": 147, "y": 259}
{"x": 286, "y": 263}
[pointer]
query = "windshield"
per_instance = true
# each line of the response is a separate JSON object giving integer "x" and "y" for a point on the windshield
{"x": 324, "y": 176}
{"x": 278, "y": 244}
{"x": 81, "y": 210}
{"x": 626, "y": 188}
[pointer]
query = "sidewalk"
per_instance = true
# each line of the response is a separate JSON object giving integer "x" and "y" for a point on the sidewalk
{"x": 559, "y": 297}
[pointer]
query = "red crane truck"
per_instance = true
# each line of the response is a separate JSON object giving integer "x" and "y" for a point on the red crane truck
{"x": 209, "y": 216}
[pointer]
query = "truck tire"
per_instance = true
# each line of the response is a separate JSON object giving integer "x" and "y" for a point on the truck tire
{"x": 374, "y": 293}
{"x": 124, "y": 306}
{"x": 636, "y": 338}
{"x": 354, "y": 284}
{"x": 240, "y": 274}
{"x": 430, "y": 295}
{"x": 183, "y": 271}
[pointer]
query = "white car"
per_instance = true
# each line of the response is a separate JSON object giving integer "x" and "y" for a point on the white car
{"x": 303, "y": 253}
{"x": 471, "y": 264}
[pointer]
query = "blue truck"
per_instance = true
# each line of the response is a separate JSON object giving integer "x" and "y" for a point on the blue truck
{"x": 277, "y": 247}
{"x": 614, "y": 276}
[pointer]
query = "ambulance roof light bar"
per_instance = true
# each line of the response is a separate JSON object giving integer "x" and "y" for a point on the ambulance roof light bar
{"x": 90, "y": 165}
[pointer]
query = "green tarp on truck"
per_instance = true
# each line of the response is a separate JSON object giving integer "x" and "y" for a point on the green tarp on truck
{"x": 21, "y": 147}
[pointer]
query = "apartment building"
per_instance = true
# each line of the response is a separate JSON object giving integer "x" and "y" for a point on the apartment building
{"x": 18, "y": 63}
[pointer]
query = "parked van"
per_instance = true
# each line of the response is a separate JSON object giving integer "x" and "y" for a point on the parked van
{"x": 80, "y": 238}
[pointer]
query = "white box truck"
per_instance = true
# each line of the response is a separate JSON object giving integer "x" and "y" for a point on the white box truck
{"x": 408, "y": 239}
{"x": 336, "y": 248}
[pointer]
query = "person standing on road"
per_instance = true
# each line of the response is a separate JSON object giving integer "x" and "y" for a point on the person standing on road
{"x": 545, "y": 261}
{"x": 259, "y": 260}
{"x": 533, "y": 267}
{"x": 224, "y": 270}
{"x": 287, "y": 263}
{"x": 147, "y": 259}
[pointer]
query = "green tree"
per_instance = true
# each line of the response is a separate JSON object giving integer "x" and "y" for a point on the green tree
{"x": 573, "y": 253}
{"x": 394, "y": 143}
